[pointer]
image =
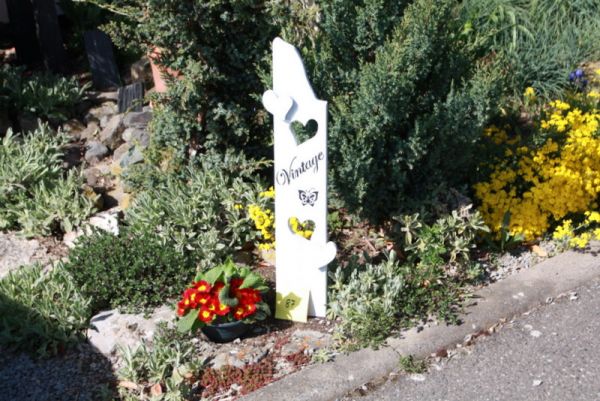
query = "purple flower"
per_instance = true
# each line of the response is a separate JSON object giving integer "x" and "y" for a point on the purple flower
{"x": 572, "y": 77}
{"x": 579, "y": 73}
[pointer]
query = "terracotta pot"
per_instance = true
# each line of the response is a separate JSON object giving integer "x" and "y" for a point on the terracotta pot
{"x": 225, "y": 332}
{"x": 158, "y": 71}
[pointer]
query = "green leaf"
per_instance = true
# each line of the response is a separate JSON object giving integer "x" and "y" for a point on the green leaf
{"x": 225, "y": 299}
{"x": 213, "y": 275}
{"x": 229, "y": 268}
{"x": 251, "y": 280}
{"x": 186, "y": 323}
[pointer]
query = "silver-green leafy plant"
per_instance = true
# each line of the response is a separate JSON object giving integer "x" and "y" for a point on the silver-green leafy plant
{"x": 365, "y": 299}
{"x": 36, "y": 194}
{"x": 448, "y": 241}
{"x": 41, "y": 312}
{"x": 169, "y": 362}
{"x": 372, "y": 301}
{"x": 41, "y": 95}
{"x": 202, "y": 210}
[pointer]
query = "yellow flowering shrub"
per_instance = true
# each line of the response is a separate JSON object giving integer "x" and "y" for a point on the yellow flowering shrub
{"x": 579, "y": 237}
{"x": 264, "y": 219}
{"x": 539, "y": 185}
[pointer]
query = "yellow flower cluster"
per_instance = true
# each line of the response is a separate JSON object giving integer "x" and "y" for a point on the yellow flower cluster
{"x": 540, "y": 186}
{"x": 264, "y": 221}
{"x": 499, "y": 135}
{"x": 565, "y": 232}
{"x": 303, "y": 229}
{"x": 269, "y": 193}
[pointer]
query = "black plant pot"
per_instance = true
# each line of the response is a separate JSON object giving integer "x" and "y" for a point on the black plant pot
{"x": 225, "y": 332}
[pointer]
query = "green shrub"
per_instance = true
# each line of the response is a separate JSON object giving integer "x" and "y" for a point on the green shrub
{"x": 405, "y": 91}
{"x": 41, "y": 95}
{"x": 37, "y": 197}
{"x": 201, "y": 210}
{"x": 132, "y": 272}
{"x": 41, "y": 312}
{"x": 216, "y": 47}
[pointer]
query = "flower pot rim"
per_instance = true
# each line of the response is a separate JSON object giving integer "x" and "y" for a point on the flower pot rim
{"x": 225, "y": 324}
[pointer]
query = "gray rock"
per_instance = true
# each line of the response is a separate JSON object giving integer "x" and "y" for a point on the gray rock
{"x": 90, "y": 132}
{"x": 70, "y": 238}
{"x": 132, "y": 156}
{"x": 104, "y": 120}
{"x": 95, "y": 114}
{"x": 121, "y": 150}
{"x": 110, "y": 329}
{"x": 16, "y": 252}
{"x": 111, "y": 133}
{"x": 107, "y": 221}
{"x": 239, "y": 356}
{"x": 311, "y": 340}
{"x": 136, "y": 136}
{"x": 137, "y": 119}
{"x": 73, "y": 128}
{"x": 93, "y": 176}
{"x": 95, "y": 152}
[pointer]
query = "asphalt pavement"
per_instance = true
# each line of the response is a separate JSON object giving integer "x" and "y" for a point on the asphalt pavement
{"x": 551, "y": 353}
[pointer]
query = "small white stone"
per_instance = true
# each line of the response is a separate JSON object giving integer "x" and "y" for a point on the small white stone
{"x": 537, "y": 383}
{"x": 535, "y": 333}
{"x": 417, "y": 378}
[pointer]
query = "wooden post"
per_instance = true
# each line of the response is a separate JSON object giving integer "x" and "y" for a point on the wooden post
{"x": 49, "y": 35}
{"x": 22, "y": 28}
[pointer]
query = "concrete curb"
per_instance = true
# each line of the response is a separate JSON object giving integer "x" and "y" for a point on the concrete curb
{"x": 505, "y": 299}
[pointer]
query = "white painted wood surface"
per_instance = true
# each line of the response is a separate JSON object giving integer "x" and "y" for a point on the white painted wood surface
{"x": 301, "y": 264}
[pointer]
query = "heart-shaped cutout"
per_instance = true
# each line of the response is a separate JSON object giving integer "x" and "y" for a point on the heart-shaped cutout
{"x": 305, "y": 228}
{"x": 303, "y": 132}
{"x": 278, "y": 105}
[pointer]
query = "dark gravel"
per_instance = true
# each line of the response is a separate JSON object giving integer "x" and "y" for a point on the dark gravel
{"x": 78, "y": 375}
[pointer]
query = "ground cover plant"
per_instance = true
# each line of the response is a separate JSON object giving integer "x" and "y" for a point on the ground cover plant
{"x": 42, "y": 312}
{"x": 39, "y": 95}
{"x": 374, "y": 300}
{"x": 37, "y": 196}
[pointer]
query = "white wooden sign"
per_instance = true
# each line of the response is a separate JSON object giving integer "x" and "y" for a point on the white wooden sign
{"x": 300, "y": 189}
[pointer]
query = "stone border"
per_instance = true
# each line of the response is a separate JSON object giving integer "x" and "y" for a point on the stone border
{"x": 505, "y": 299}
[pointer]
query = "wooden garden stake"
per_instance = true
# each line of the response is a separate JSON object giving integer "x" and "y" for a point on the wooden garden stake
{"x": 302, "y": 251}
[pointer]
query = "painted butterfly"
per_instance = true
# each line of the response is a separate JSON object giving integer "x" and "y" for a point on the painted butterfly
{"x": 308, "y": 197}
